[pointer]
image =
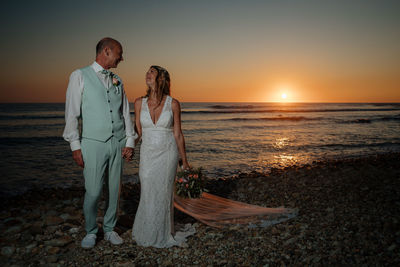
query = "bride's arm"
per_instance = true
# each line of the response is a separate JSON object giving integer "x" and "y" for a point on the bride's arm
{"x": 180, "y": 140}
{"x": 138, "y": 126}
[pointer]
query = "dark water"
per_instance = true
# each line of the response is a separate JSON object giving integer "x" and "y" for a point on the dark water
{"x": 224, "y": 138}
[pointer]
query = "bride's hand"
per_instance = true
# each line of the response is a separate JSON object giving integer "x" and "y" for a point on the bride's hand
{"x": 185, "y": 166}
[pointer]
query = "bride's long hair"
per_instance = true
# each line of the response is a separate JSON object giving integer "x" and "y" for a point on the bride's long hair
{"x": 163, "y": 84}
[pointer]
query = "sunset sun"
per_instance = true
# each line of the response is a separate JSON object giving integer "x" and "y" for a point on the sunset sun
{"x": 283, "y": 96}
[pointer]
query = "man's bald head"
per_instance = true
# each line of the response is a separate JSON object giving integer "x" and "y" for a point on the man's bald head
{"x": 106, "y": 42}
{"x": 108, "y": 53}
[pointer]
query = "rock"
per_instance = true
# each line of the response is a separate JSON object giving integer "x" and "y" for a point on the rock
{"x": 13, "y": 230}
{"x": 51, "y": 229}
{"x": 30, "y": 247}
{"x": 52, "y": 258}
{"x": 60, "y": 242}
{"x": 290, "y": 241}
{"x": 392, "y": 247}
{"x": 73, "y": 230}
{"x": 74, "y": 220}
{"x": 67, "y": 202}
{"x": 70, "y": 210}
{"x": 39, "y": 238}
{"x": 26, "y": 237}
{"x": 274, "y": 231}
{"x": 53, "y": 250}
{"x": 7, "y": 251}
{"x": 107, "y": 251}
{"x": 316, "y": 259}
{"x": 64, "y": 216}
{"x": 53, "y": 220}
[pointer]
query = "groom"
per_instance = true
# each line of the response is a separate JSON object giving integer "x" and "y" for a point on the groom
{"x": 97, "y": 96}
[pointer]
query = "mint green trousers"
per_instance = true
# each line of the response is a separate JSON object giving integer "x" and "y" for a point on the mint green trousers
{"x": 97, "y": 156}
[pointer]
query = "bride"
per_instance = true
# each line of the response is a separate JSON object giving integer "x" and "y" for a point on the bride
{"x": 158, "y": 122}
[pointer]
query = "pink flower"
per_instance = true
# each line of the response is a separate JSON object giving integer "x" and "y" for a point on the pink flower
{"x": 115, "y": 81}
{"x": 187, "y": 185}
{"x": 195, "y": 176}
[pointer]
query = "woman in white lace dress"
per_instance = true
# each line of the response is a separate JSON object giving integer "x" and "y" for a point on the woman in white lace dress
{"x": 158, "y": 122}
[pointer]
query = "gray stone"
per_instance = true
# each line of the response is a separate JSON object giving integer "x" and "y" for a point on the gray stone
{"x": 7, "y": 251}
{"x": 51, "y": 229}
{"x": 52, "y": 258}
{"x": 13, "y": 230}
{"x": 73, "y": 230}
{"x": 53, "y": 220}
{"x": 64, "y": 216}
{"x": 30, "y": 247}
{"x": 53, "y": 250}
{"x": 60, "y": 242}
{"x": 26, "y": 237}
{"x": 392, "y": 247}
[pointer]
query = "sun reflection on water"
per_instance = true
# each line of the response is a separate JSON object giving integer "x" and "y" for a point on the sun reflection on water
{"x": 281, "y": 142}
{"x": 284, "y": 160}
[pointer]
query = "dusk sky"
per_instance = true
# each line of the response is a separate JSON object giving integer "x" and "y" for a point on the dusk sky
{"x": 215, "y": 51}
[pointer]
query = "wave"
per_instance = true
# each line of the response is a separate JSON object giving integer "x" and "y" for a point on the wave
{"x": 233, "y": 107}
{"x": 252, "y": 106}
{"x": 31, "y": 117}
{"x": 11, "y": 141}
{"x": 370, "y": 120}
{"x": 273, "y": 119}
{"x": 360, "y": 145}
{"x": 286, "y": 110}
{"x": 302, "y": 118}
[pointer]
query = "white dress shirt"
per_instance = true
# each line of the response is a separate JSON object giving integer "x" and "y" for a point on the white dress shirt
{"x": 73, "y": 108}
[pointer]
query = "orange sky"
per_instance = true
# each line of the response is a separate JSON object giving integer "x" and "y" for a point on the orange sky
{"x": 215, "y": 52}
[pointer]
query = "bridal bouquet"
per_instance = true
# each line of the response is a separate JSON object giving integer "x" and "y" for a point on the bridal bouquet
{"x": 190, "y": 183}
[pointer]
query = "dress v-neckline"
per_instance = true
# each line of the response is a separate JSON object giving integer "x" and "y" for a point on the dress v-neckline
{"x": 162, "y": 110}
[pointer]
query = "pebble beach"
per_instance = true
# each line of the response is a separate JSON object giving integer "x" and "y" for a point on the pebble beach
{"x": 349, "y": 214}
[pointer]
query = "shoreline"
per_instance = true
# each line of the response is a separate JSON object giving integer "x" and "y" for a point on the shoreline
{"x": 4, "y": 195}
{"x": 349, "y": 213}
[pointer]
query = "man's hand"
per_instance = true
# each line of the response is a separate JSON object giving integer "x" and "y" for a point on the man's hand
{"x": 77, "y": 156}
{"x": 127, "y": 153}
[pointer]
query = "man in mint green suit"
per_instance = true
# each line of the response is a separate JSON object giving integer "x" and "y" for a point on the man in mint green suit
{"x": 97, "y": 97}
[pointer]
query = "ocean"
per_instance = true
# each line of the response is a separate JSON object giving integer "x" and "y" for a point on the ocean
{"x": 223, "y": 138}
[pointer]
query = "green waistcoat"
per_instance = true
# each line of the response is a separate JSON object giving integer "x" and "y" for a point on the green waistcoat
{"x": 101, "y": 109}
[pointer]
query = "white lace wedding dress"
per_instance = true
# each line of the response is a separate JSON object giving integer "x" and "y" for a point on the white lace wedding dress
{"x": 154, "y": 224}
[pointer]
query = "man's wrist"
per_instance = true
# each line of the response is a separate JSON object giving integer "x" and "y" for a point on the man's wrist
{"x": 130, "y": 142}
{"x": 75, "y": 145}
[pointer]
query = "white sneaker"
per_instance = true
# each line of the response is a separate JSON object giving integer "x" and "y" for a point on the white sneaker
{"x": 113, "y": 237}
{"x": 89, "y": 241}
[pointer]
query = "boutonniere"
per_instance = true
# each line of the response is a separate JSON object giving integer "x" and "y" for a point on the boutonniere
{"x": 116, "y": 82}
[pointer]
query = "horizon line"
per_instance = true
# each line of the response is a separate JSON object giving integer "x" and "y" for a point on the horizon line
{"x": 263, "y": 102}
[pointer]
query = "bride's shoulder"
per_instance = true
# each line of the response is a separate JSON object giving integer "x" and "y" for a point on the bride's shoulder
{"x": 138, "y": 101}
{"x": 175, "y": 104}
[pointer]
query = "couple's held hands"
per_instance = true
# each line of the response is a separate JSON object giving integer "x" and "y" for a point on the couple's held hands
{"x": 127, "y": 154}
